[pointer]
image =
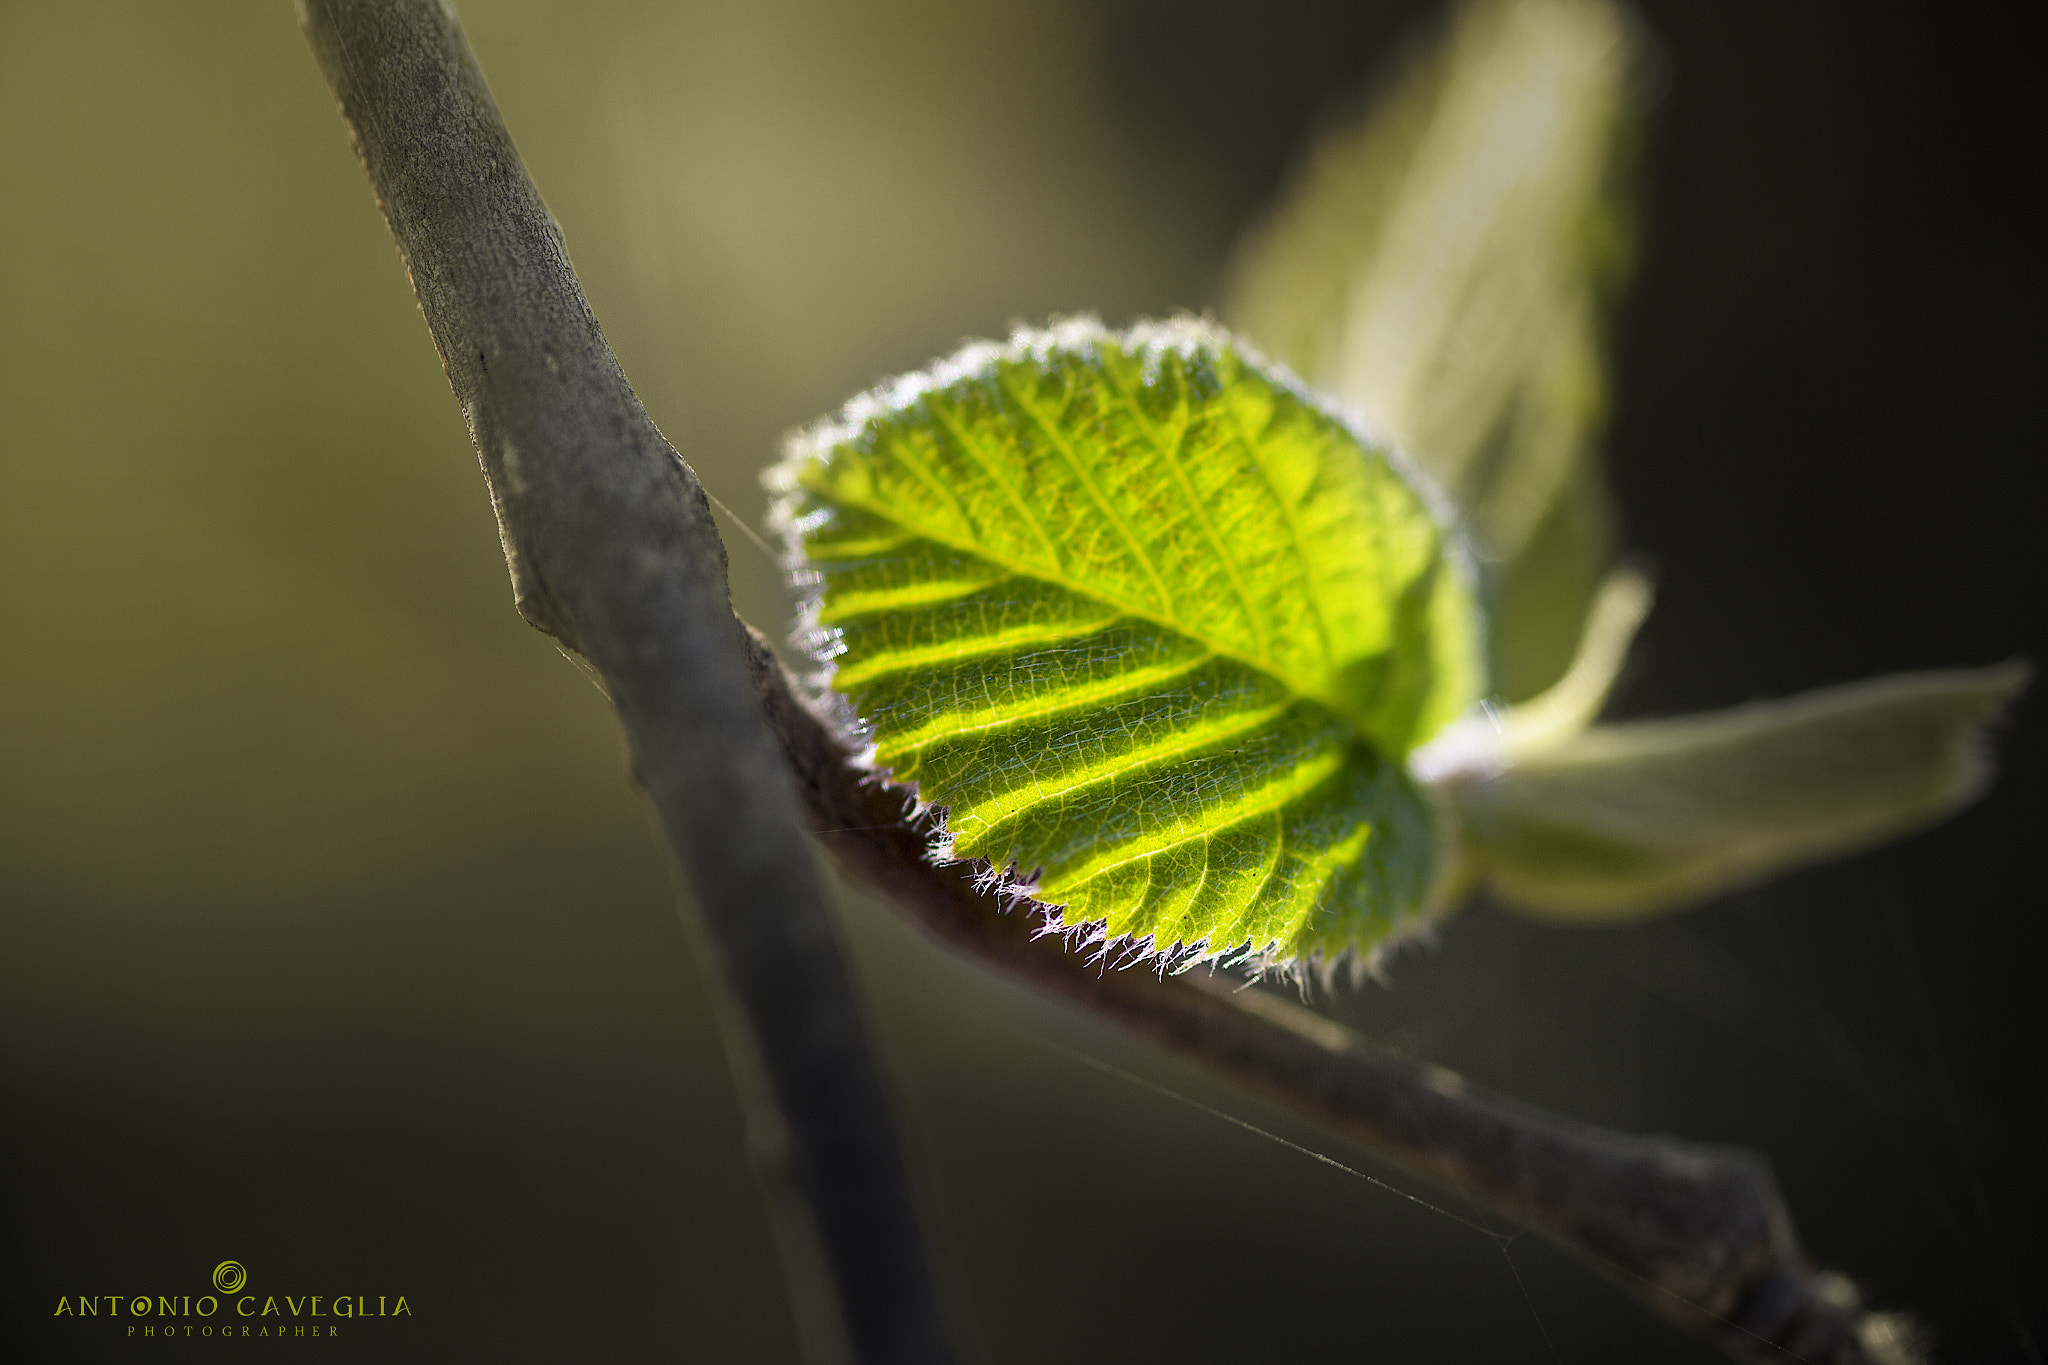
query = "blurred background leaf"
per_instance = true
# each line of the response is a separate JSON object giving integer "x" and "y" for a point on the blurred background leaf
{"x": 1445, "y": 265}
{"x": 332, "y": 939}
{"x": 1627, "y": 819}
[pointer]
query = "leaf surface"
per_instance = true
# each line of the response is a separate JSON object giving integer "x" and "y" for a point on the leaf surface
{"x": 1628, "y": 819}
{"x": 1151, "y": 630}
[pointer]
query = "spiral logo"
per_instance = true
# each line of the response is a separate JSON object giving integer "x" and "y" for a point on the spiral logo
{"x": 229, "y": 1277}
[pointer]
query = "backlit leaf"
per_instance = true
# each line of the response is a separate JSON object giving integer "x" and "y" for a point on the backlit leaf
{"x": 1149, "y": 630}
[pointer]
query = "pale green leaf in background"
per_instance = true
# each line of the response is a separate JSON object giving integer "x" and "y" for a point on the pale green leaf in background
{"x": 1443, "y": 267}
{"x": 1150, "y": 629}
{"x": 1628, "y": 819}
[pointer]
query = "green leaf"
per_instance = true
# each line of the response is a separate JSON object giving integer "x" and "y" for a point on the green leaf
{"x": 1629, "y": 819}
{"x": 1150, "y": 632}
{"x": 1444, "y": 266}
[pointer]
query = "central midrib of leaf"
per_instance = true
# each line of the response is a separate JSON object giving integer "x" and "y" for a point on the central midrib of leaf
{"x": 1294, "y": 685}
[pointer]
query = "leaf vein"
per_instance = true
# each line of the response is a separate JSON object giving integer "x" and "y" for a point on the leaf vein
{"x": 1013, "y": 803}
{"x": 884, "y": 662}
{"x": 946, "y": 725}
{"x": 1170, "y": 452}
{"x": 1330, "y": 765}
{"x": 1308, "y": 584}
{"x": 972, "y": 445}
{"x": 1073, "y": 459}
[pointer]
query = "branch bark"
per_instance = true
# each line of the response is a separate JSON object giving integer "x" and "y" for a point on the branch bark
{"x": 612, "y": 550}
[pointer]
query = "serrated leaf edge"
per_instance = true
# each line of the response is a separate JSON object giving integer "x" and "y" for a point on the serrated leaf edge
{"x": 1189, "y": 337}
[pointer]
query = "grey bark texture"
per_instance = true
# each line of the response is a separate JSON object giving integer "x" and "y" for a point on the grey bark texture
{"x": 612, "y": 551}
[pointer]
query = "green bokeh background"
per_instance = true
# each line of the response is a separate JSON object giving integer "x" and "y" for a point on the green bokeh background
{"x": 333, "y": 940}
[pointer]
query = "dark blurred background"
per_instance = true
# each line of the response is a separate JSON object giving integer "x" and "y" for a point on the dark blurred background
{"x": 333, "y": 940}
